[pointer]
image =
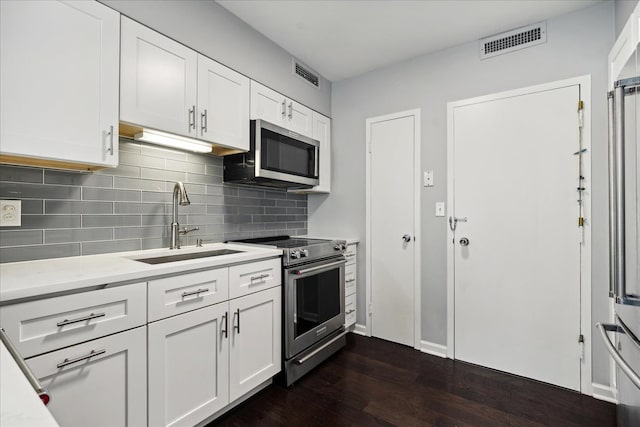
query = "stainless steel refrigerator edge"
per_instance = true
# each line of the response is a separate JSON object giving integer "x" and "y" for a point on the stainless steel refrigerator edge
{"x": 623, "y": 341}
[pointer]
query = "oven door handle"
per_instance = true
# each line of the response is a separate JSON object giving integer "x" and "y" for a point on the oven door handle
{"x": 319, "y": 267}
{"x": 615, "y": 355}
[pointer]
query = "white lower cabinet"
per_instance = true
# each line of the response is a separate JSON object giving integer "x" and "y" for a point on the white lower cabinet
{"x": 350, "y": 285}
{"x": 255, "y": 337}
{"x": 102, "y": 382}
{"x": 201, "y": 361}
{"x": 188, "y": 367}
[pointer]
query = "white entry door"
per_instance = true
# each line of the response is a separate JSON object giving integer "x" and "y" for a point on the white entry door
{"x": 393, "y": 153}
{"x": 517, "y": 243}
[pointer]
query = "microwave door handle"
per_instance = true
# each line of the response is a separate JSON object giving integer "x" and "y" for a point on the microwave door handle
{"x": 317, "y": 156}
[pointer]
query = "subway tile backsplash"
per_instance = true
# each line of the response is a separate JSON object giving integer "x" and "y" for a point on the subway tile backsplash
{"x": 129, "y": 207}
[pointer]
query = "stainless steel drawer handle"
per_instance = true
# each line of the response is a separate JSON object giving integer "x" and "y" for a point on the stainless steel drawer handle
{"x": 615, "y": 355}
{"x": 196, "y": 292}
{"x": 110, "y": 135}
{"x": 204, "y": 122}
{"x": 350, "y": 311}
{"x": 225, "y": 331}
{"x": 33, "y": 380}
{"x": 349, "y": 255}
{"x": 91, "y": 354}
{"x": 237, "y": 327}
{"x": 319, "y": 349}
{"x": 350, "y": 280}
{"x": 260, "y": 277}
{"x": 80, "y": 319}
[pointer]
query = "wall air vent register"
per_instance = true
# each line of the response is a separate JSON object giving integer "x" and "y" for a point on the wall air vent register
{"x": 304, "y": 73}
{"x": 509, "y": 41}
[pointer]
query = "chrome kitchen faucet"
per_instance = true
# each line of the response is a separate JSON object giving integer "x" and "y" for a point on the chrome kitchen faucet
{"x": 180, "y": 197}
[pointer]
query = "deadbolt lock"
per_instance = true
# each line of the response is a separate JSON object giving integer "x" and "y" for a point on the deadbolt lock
{"x": 464, "y": 242}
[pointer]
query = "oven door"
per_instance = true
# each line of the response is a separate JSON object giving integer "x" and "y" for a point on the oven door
{"x": 284, "y": 155}
{"x": 314, "y": 303}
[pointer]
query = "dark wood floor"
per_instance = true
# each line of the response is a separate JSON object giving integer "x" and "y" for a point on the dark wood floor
{"x": 373, "y": 382}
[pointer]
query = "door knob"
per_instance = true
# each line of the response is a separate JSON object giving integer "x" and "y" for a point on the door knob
{"x": 406, "y": 238}
{"x": 464, "y": 242}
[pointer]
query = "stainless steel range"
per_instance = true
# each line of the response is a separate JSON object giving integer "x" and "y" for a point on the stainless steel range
{"x": 313, "y": 318}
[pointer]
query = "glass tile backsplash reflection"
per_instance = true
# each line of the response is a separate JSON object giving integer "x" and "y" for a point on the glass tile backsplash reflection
{"x": 129, "y": 207}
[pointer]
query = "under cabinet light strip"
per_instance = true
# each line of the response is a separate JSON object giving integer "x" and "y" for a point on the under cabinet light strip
{"x": 174, "y": 141}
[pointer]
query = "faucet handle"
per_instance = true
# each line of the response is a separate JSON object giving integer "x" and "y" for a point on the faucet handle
{"x": 186, "y": 230}
{"x": 199, "y": 242}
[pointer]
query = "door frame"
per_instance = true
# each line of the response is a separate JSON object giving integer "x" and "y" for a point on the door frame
{"x": 415, "y": 113}
{"x": 586, "y": 386}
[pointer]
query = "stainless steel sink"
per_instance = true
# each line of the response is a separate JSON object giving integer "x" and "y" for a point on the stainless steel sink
{"x": 184, "y": 257}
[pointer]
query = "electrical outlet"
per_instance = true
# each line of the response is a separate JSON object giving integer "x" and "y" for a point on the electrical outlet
{"x": 10, "y": 213}
{"x": 439, "y": 208}
{"x": 427, "y": 179}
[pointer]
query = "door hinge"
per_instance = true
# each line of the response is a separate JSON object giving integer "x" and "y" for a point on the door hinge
{"x": 580, "y": 114}
{"x": 370, "y": 309}
{"x": 581, "y": 345}
{"x": 369, "y": 145}
{"x": 580, "y": 221}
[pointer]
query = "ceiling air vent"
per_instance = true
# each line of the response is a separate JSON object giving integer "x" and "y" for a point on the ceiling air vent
{"x": 509, "y": 41}
{"x": 304, "y": 73}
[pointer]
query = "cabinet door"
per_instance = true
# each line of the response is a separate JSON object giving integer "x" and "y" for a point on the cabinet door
{"x": 223, "y": 105}
{"x": 299, "y": 118}
{"x": 105, "y": 388}
{"x": 255, "y": 347}
{"x": 158, "y": 81}
{"x": 188, "y": 367}
{"x": 59, "y": 81}
{"x": 267, "y": 104}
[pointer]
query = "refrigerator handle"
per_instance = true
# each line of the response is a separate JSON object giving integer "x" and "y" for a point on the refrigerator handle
{"x": 613, "y": 226}
{"x": 620, "y": 286}
{"x": 624, "y": 366}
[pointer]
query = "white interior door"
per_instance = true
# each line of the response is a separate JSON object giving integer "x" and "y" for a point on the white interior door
{"x": 517, "y": 282}
{"x": 392, "y": 214}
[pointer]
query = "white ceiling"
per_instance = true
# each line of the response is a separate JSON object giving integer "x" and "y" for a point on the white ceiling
{"x": 344, "y": 38}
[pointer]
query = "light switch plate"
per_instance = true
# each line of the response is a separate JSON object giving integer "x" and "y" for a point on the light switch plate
{"x": 428, "y": 179}
{"x": 439, "y": 208}
{"x": 10, "y": 213}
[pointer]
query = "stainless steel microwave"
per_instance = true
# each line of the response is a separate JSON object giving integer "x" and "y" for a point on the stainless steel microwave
{"x": 277, "y": 157}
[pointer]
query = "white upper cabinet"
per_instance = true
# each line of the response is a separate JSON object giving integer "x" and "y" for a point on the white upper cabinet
{"x": 623, "y": 48}
{"x": 223, "y": 104}
{"x": 169, "y": 87}
{"x": 321, "y": 126}
{"x": 269, "y": 105}
{"x": 59, "y": 83}
{"x": 158, "y": 81}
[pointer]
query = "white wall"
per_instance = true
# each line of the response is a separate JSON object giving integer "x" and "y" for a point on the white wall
{"x": 578, "y": 44}
{"x": 210, "y": 29}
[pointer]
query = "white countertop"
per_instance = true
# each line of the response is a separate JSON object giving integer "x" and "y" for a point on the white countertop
{"x": 34, "y": 278}
{"x": 20, "y": 406}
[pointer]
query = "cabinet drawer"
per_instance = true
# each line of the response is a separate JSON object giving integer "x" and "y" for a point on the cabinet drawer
{"x": 179, "y": 294}
{"x": 40, "y": 326}
{"x": 351, "y": 254}
{"x": 253, "y": 277}
{"x": 350, "y": 279}
{"x": 350, "y": 310}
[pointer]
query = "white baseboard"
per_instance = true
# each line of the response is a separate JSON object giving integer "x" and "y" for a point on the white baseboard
{"x": 604, "y": 392}
{"x": 360, "y": 330}
{"x": 433, "y": 349}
